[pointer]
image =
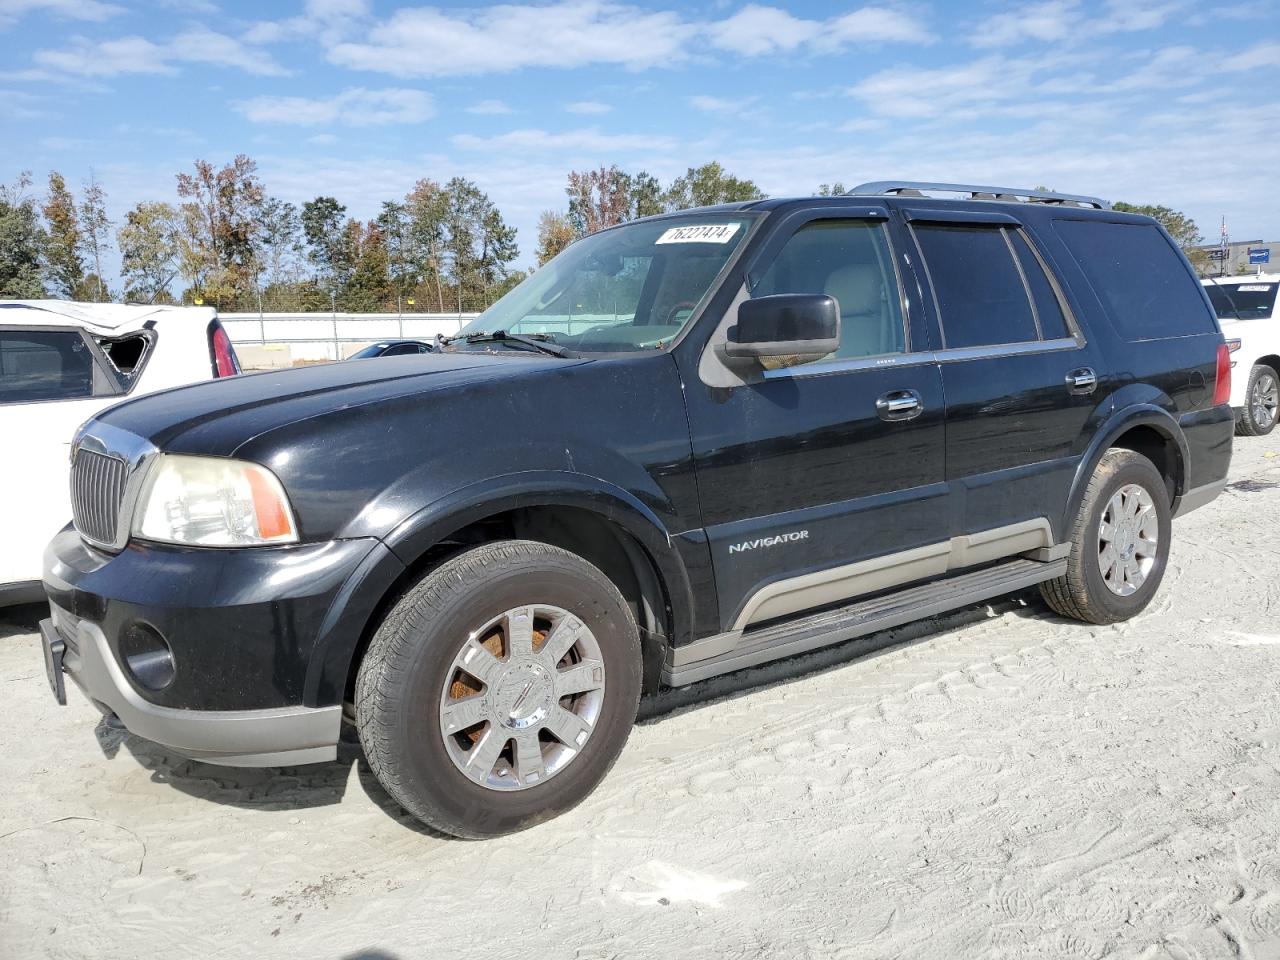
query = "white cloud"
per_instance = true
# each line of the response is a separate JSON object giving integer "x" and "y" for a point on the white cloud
{"x": 1058, "y": 21}
{"x": 109, "y": 58}
{"x": 757, "y": 30}
{"x": 427, "y": 41}
{"x": 588, "y": 106}
{"x": 356, "y": 107}
{"x": 489, "y": 107}
{"x": 436, "y": 42}
{"x": 722, "y": 106}
{"x": 11, "y": 11}
{"x": 571, "y": 141}
{"x": 322, "y": 138}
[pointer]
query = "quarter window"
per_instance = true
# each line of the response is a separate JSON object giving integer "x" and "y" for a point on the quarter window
{"x": 850, "y": 261}
{"x": 44, "y": 365}
{"x": 977, "y": 285}
{"x": 1143, "y": 281}
{"x": 1053, "y": 322}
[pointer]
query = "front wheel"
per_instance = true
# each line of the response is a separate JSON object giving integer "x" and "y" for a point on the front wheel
{"x": 500, "y": 689}
{"x": 1119, "y": 543}
{"x": 1261, "y": 401}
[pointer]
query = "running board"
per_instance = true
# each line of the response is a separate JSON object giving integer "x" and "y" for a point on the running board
{"x": 709, "y": 657}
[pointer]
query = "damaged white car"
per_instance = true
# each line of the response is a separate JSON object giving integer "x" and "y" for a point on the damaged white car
{"x": 61, "y": 363}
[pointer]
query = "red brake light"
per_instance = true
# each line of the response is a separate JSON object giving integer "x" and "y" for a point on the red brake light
{"x": 1222, "y": 386}
{"x": 225, "y": 362}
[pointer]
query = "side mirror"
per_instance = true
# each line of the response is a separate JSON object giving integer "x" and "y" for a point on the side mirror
{"x": 804, "y": 325}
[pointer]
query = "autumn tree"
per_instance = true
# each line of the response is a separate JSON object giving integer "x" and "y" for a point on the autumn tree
{"x": 63, "y": 265}
{"x": 598, "y": 199}
{"x": 150, "y": 246}
{"x": 644, "y": 194}
{"x": 21, "y": 242}
{"x": 555, "y": 232}
{"x": 221, "y": 220}
{"x": 95, "y": 237}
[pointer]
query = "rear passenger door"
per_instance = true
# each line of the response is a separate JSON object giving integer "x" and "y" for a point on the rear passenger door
{"x": 1021, "y": 382}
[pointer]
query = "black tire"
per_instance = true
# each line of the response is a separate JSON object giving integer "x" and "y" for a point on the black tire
{"x": 400, "y": 684}
{"x": 1248, "y": 422}
{"x": 1082, "y": 593}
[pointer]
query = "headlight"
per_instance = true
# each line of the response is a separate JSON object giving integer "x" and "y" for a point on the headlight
{"x": 213, "y": 502}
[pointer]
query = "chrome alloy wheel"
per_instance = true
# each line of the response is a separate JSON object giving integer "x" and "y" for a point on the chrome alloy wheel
{"x": 1264, "y": 398}
{"x": 522, "y": 697}
{"x": 1128, "y": 539}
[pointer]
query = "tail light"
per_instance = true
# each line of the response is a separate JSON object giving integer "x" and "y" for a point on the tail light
{"x": 1222, "y": 386}
{"x": 225, "y": 361}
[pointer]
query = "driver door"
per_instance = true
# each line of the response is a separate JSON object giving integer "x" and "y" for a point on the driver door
{"x": 825, "y": 481}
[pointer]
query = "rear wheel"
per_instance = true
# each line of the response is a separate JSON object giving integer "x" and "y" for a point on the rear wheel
{"x": 1119, "y": 543}
{"x": 1261, "y": 402}
{"x": 499, "y": 690}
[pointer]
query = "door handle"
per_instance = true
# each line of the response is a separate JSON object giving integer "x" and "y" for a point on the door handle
{"x": 1083, "y": 380}
{"x": 899, "y": 405}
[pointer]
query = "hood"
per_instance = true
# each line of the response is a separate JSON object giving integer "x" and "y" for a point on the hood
{"x": 218, "y": 416}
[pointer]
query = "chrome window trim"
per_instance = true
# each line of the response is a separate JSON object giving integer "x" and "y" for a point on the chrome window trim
{"x": 137, "y": 452}
{"x": 878, "y": 362}
{"x": 953, "y": 355}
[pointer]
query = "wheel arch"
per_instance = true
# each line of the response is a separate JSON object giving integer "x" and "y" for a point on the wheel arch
{"x": 595, "y": 520}
{"x": 1145, "y": 429}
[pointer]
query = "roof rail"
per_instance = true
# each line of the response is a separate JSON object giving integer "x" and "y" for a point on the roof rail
{"x": 915, "y": 188}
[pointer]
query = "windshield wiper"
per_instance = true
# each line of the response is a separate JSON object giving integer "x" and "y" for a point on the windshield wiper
{"x": 538, "y": 341}
{"x": 1230, "y": 299}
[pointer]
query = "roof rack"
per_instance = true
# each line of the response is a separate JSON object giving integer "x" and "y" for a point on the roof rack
{"x": 916, "y": 188}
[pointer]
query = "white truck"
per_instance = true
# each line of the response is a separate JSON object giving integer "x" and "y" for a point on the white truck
{"x": 61, "y": 363}
{"x": 1246, "y": 308}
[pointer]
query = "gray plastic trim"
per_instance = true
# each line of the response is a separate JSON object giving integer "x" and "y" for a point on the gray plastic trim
{"x": 283, "y": 736}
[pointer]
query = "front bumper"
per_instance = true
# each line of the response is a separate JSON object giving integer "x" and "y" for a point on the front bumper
{"x": 248, "y": 633}
{"x": 282, "y": 736}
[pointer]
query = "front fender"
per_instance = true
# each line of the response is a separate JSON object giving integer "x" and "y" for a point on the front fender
{"x": 551, "y": 488}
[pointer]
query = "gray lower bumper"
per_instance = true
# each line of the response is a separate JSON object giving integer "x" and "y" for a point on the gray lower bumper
{"x": 279, "y": 737}
{"x": 1199, "y": 496}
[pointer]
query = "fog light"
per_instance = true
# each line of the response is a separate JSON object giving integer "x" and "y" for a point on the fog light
{"x": 147, "y": 657}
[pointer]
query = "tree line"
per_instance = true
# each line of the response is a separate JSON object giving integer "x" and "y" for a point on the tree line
{"x": 228, "y": 243}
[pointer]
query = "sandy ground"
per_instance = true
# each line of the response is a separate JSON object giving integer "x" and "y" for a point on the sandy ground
{"x": 999, "y": 783}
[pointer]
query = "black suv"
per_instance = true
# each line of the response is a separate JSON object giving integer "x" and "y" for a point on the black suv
{"x": 688, "y": 445}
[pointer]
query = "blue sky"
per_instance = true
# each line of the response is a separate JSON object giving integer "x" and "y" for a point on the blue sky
{"x": 1161, "y": 101}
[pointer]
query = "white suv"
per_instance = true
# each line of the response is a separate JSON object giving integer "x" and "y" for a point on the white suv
{"x": 61, "y": 363}
{"x": 1246, "y": 308}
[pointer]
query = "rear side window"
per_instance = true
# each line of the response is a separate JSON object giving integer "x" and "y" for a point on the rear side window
{"x": 44, "y": 365}
{"x": 978, "y": 286}
{"x": 1140, "y": 278}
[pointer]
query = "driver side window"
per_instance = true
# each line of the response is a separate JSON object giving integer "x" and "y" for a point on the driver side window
{"x": 850, "y": 261}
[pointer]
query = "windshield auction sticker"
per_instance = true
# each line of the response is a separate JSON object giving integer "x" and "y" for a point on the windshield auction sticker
{"x": 1243, "y": 288}
{"x": 701, "y": 233}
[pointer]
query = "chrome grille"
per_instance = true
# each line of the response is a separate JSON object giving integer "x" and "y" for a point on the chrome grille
{"x": 97, "y": 490}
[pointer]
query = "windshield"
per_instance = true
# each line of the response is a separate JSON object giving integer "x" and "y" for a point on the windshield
{"x": 373, "y": 350}
{"x": 627, "y": 289}
{"x": 1244, "y": 300}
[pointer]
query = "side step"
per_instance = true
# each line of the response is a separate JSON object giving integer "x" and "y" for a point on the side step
{"x": 684, "y": 666}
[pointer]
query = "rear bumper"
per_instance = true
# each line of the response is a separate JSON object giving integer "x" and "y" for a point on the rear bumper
{"x": 1209, "y": 435}
{"x": 282, "y": 736}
